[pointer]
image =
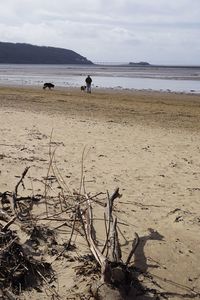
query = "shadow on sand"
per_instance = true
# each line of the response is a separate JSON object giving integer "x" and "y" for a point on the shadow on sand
{"x": 139, "y": 291}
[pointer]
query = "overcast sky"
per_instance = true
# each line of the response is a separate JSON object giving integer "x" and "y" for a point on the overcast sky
{"x": 157, "y": 31}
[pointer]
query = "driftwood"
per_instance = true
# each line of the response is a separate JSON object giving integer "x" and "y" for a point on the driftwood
{"x": 20, "y": 266}
{"x": 114, "y": 272}
{"x": 110, "y": 275}
{"x": 79, "y": 217}
{"x": 108, "y": 257}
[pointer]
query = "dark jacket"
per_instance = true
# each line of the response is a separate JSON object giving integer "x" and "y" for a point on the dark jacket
{"x": 88, "y": 80}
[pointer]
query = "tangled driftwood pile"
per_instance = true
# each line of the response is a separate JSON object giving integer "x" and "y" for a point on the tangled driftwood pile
{"x": 22, "y": 264}
{"x": 19, "y": 268}
{"x": 30, "y": 243}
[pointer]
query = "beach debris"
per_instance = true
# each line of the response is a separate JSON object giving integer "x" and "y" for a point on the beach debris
{"x": 21, "y": 266}
{"x": 22, "y": 261}
{"x": 31, "y": 243}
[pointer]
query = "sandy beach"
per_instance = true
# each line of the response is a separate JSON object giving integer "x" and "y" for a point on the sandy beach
{"x": 145, "y": 143}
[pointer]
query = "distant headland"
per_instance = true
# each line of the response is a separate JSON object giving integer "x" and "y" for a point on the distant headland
{"x": 141, "y": 63}
{"x": 124, "y": 64}
{"x": 21, "y": 53}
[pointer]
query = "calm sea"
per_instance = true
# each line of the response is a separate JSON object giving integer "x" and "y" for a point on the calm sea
{"x": 175, "y": 79}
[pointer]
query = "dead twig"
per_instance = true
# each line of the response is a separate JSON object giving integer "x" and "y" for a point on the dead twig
{"x": 21, "y": 180}
{"x": 9, "y": 245}
{"x": 114, "y": 243}
{"x": 17, "y": 186}
{"x": 134, "y": 247}
{"x": 110, "y": 201}
{"x": 51, "y": 155}
{"x": 115, "y": 195}
{"x": 51, "y": 289}
{"x": 66, "y": 247}
{"x": 5, "y": 227}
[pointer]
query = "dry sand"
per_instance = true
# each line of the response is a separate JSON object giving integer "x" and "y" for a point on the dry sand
{"x": 146, "y": 143}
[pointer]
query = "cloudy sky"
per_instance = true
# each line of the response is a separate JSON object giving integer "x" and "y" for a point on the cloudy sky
{"x": 157, "y": 31}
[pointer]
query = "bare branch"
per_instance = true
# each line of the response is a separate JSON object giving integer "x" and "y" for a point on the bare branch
{"x": 8, "y": 224}
{"x": 134, "y": 247}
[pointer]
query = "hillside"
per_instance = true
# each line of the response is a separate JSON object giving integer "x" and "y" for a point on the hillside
{"x": 20, "y": 53}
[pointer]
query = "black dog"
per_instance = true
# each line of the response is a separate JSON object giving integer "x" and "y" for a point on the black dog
{"x": 48, "y": 85}
{"x": 83, "y": 87}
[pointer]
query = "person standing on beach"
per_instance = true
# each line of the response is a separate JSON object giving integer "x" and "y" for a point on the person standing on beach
{"x": 88, "y": 81}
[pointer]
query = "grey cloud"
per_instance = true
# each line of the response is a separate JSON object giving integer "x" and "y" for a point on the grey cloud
{"x": 122, "y": 30}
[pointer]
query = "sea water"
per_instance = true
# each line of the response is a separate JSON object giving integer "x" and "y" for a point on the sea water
{"x": 175, "y": 79}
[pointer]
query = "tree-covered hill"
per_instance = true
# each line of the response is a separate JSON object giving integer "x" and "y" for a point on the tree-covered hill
{"x": 20, "y": 53}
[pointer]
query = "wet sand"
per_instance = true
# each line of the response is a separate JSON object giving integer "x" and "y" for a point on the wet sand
{"x": 146, "y": 143}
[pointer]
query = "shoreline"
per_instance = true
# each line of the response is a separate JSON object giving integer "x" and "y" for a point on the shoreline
{"x": 106, "y": 89}
{"x": 156, "y": 79}
{"x": 99, "y": 89}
